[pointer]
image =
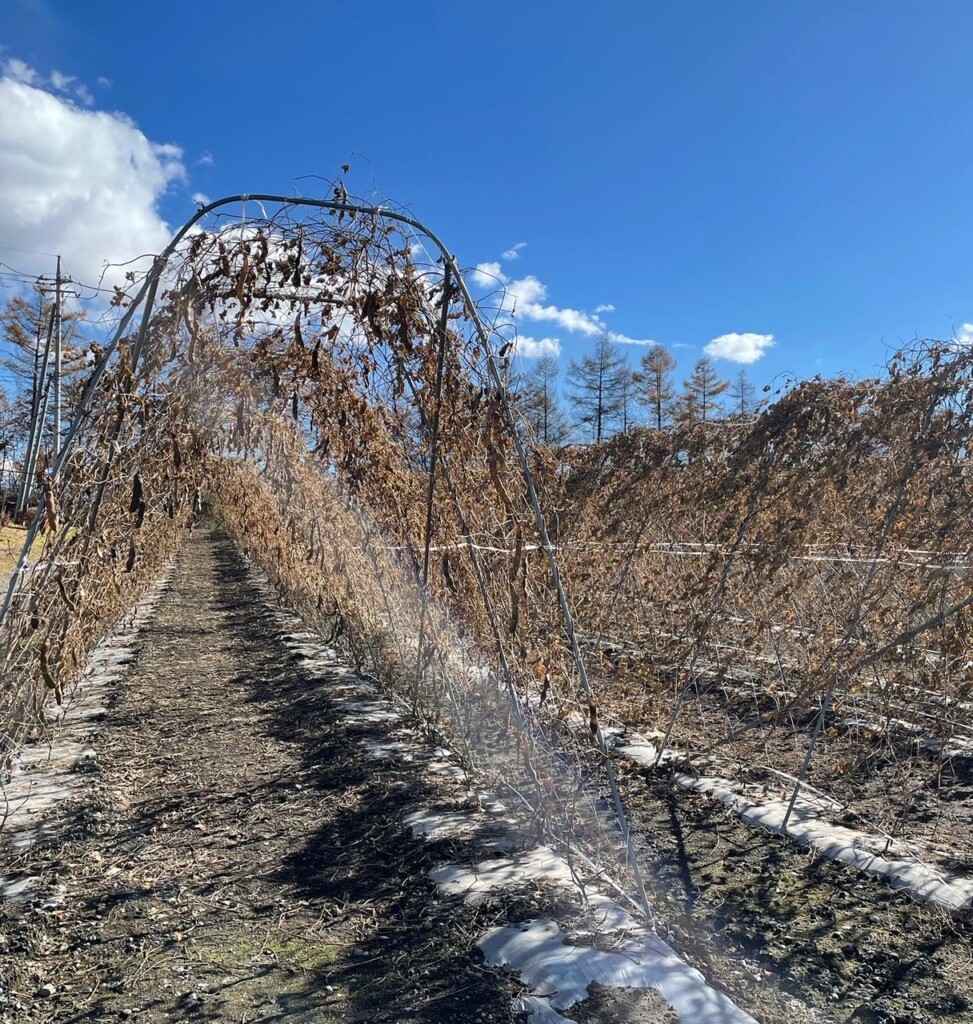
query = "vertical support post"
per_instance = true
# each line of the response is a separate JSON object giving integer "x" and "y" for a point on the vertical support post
{"x": 433, "y": 458}
{"x": 35, "y": 403}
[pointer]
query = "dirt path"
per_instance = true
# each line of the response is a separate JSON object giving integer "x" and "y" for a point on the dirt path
{"x": 236, "y": 858}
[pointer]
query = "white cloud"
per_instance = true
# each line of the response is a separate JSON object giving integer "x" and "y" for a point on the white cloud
{"x": 206, "y": 160}
{"x": 201, "y": 198}
{"x": 513, "y": 253}
{"x": 524, "y": 299}
{"x": 61, "y": 82}
{"x": 82, "y": 183}
{"x": 534, "y": 348}
{"x": 605, "y": 307}
{"x": 104, "y": 83}
{"x": 570, "y": 319}
{"x": 20, "y": 72}
{"x": 739, "y": 348}
{"x": 489, "y": 275}
{"x": 964, "y": 336}
{"x": 624, "y": 339}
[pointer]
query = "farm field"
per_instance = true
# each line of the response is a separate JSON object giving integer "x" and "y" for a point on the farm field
{"x": 221, "y": 858}
{"x": 11, "y": 542}
{"x": 719, "y": 675}
{"x": 224, "y": 852}
{"x": 488, "y": 513}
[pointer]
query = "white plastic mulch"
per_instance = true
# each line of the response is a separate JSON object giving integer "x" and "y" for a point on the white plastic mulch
{"x": 42, "y": 774}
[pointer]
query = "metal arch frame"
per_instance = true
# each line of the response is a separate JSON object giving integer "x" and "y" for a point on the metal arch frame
{"x": 146, "y": 300}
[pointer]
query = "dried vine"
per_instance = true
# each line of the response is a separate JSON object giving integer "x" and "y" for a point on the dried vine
{"x": 334, "y": 394}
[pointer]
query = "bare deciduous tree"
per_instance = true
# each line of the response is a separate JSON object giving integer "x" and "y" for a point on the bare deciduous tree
{"x": 597, "y": 388}
{"x": 699, "y": 401}
{"x": 655, "y": 387}
{"x": 539, "y": 404}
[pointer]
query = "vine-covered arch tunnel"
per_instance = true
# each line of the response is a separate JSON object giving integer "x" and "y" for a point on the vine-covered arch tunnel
{"x": 330, "y": 385}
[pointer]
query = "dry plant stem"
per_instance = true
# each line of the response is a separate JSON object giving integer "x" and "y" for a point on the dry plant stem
{"x": 851, "y": 628}
{"x": 567, "y": 616}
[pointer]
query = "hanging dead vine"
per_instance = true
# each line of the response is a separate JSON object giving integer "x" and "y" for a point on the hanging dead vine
{"x": 338, "y": 398}
{"x": 334, "y": 393}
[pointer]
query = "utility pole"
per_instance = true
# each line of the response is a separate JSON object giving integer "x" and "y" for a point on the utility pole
{"x": 44, "y": 385}
{"x": 37, "y": 417}
{"x": 57, "y": 362}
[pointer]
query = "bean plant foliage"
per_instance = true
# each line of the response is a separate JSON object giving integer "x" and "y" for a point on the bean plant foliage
{"x": 328, "y": 386}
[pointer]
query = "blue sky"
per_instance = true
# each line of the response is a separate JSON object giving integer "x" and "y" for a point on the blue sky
{"x": 801, "y": 170}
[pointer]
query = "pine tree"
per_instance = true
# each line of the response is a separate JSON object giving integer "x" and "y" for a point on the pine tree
{"x": 24, "y": 326}
{"x": 654, "y": 383}
{"x": 628, "y": 399}
{"x": 702, "y": 389}
{"x": 598, "y": 386}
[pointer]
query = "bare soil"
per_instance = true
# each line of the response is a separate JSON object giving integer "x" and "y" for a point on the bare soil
{"x": 745, "y": 905}
{"x": 895, "y": 782}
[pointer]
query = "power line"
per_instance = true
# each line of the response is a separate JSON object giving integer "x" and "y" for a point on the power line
{"x": 28, "y": 252}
